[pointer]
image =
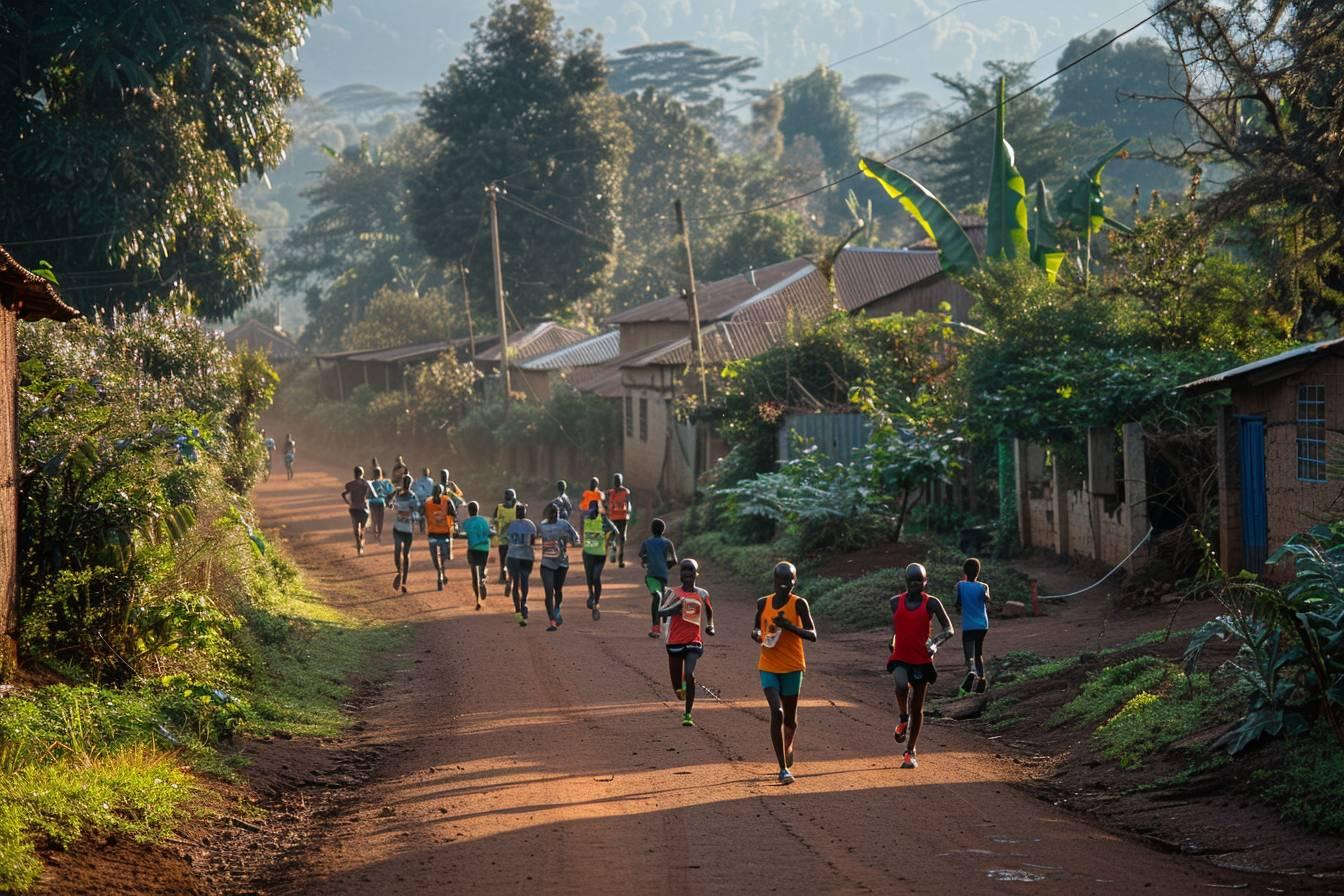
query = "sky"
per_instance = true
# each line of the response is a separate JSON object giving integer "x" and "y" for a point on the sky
{"x": 405, "y": 45}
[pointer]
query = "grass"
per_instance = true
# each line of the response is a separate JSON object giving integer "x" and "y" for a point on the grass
{"x": 1307, "y": 784}
{"x": 82, "y": 758}
{"x": 1113, "y": 687}
{"x": 753, "y": 563}
{"x": 1151, "y": 721}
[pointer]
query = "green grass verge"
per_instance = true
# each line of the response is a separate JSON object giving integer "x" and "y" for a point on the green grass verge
{"x": 1307, "y": 785}
{"x": 1151, "y": 721}
{"x": 1113, "y": 687}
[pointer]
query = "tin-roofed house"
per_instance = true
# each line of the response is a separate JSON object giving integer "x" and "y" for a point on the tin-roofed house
{"x": 1278, "y": 443}
{"x": 23, "y": 296}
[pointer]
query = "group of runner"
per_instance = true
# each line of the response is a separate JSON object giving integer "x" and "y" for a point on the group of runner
{"x": 680, "y": 614}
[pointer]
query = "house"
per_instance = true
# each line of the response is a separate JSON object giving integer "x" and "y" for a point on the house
{"x": 253, "y": 335}
{"x": 537, "y": 340}
{"x": 538, "y": 376}
{"x": 1277, "y": 440}
{"x": 383, "y": 369}
{"x": 23, "y": 296}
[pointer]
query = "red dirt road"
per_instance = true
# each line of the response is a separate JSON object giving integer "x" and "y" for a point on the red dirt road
{"x": 515, "y": 759}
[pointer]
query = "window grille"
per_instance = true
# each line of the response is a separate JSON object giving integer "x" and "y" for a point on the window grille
{"x": 643, "y": 419}
{"x": 1311, "y": 433}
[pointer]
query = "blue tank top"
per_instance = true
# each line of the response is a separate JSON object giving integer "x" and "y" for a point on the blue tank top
{"x": 974, "y": 614}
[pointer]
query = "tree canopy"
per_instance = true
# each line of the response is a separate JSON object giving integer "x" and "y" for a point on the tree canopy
{"x": 130, "y": 126}
{"x": 679, "y": 69}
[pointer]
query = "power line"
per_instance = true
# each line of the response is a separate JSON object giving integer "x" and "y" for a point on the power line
{"x": 946, "y": 131}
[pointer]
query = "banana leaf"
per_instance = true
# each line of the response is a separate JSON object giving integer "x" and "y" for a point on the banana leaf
{"x": 1081, "y": 203}
{"x": 1046, "y": 251}
{"x": 1006, "y": 236}
{"x": 956, "y": 254}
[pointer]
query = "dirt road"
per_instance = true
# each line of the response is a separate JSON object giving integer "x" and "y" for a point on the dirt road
{"x": 515, "y": 759}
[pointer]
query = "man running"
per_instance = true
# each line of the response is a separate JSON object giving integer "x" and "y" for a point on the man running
{"x": 404, "y": 508}
{"x": 423, "y": 489}
{"x": 973, "y": 601}
{"x": 556, "y": 537}
{"x": 383, "y": 490}
{"x": 478, "y": 531}
{"x": 440, "y": 521}
{"x": 620, "y": 509}
{"x": 563, "y": 505}
{"x": 591, "y": 495}
{"x": 783, "y": 622}
{"x": 656, "y": 555}
{"x": 686, "y": 607}
{"x": 912, "y": 652}
{"x": 596, "y": 527}
{"x": 269, "y": 444}
{"x": 290, "y": 449}
{"x": 454, "y": 494}
{"x": 505, "y": 514}
{"x": 356, "y": 496}
{"x": 522, "y": 533}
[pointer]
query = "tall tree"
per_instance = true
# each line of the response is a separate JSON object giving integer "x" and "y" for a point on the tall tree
{"x": 815, "y": 106}
{"x": 694, "y": 75}
{"x": 527, "y": 104}
{"x": 879, "y": 98}
{"x": 129, "y": 125}
{"x": 1265, "y": 86}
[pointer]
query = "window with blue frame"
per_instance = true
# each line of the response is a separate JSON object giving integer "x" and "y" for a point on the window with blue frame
{"x": 1311, "y": 433}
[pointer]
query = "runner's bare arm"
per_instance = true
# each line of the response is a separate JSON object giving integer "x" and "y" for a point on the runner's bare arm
{"x": 756, "y": 624}
{"x": 936, "y": 607}
{"x": 808, "y": 630}
{"x": 709, "y": 616}
{"x": 672, "y": 554}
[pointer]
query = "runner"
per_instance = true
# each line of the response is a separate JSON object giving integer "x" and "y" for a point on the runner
{"x": 783, "y": 623}
{"x": 290, "y": 447}
{"x": 684, "y": 607}
{"x": 522, "y": 532}
{"x": 973, "y": 603}
{"x": 440, "y": 521}
{"x": 620, "y": 509}
{"x": 563, "y": 505}
{"x": 423, "y": 489}
{"x": 404, "y": 507}
{"x": 382, "y": 490}
{"x": 399, "y": 469}
{"x": 590, "y": 495}
{"x": 656, "y": 554}
{"x": 505, "y": 514}
{"x": 269, "y": 444}
{"x": 596, "y": 527}
{"x": 912, "y": 652}
{"x": 556, "y": 537}
{"x": 356, "y": 496}
{"x": 454, "y": 494}
{"x": 478, "y": 531}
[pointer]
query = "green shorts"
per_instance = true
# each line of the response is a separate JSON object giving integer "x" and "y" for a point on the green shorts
{"x": 655, "y": 585}
{"x": 789, "y": 684}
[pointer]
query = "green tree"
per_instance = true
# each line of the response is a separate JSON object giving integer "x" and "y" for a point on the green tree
{"x": 876, "y": 96}
{"x": 129, "y": 127}
{"x": 527, "y": 104}
{"x": 400, "y": 317}
{"x": 681, "y": 70}
{"x": 759, "y": 239}
{"x": 815, "y": 106}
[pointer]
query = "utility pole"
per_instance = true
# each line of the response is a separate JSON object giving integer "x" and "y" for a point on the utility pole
{"x": 492, "y": 190}
{"x": 692, "y": 305}
{"x": 466, "y": 306}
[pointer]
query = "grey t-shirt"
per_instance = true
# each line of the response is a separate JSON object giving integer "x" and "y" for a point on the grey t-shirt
{"x": 358, "y": 492}
{"x": 520, "y": 534}
{"x": 405, "y": 506}
{"x": 556, "y": 538}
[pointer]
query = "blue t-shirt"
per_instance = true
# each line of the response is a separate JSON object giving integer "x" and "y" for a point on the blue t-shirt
{"x": 655, "y": 551}
{"x": 520, "y": 534}
{"x": 477, "y": 529}
{"x": 423, "y": 488}
{"x": 382, "y": 490}
{"x": 974, "y": 613}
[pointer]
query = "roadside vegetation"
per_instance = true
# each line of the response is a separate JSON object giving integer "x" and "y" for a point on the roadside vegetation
{"x": 156, "y": 622}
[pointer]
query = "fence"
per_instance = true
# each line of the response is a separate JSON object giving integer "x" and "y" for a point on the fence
{"x": 838, "y": 436}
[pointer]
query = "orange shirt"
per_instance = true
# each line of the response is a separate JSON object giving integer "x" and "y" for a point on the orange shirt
{"x": 618, "y": 503}
{"x": 589, "y": 496}
{"x": 440, "y": 517}
{"x": 781, "y": 651}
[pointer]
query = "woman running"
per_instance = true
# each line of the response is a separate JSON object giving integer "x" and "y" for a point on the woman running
{"x": 382, "y": 491}
{"x": 522, "y": 533}
{"x": 596, "y": 526}
{"x": 687, "y": 607}
{"x": 404, "y": 507}
{"x": 556, "y": 537}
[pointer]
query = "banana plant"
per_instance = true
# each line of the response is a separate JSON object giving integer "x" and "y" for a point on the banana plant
{"x": 1046, "y": 251}
{"x": 1081, "y": 203}
{"x": 1006, "y": 234}
{"x": 956, "y": 254}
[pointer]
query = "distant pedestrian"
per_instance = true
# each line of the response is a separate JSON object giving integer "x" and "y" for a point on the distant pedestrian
{"x": 556, "y": 537}
{"x": 592, "y": 494}
{"x": 972, "y": 601}
{"x": 656, "y": 555}
{"x": 356, "y": 496}
{"x": 269, "y": 444}
{"x": 505, "y": 514}
{"x": 913, "y": 647}
{"x": 383, "y": 489}
{"x": 522, "y": 535}
{"x": 423, "y": 487}
{"x": 783, "y": 622}
{"x": 596, "y": 529}
{"x": 478, "y": 531}
{"x": 404, "y": 507}
{"x": 290, "y": 448}
{"x": 454, "y": 494}
{"x": 688, "y": 610}
{"x": 620, "y": 509}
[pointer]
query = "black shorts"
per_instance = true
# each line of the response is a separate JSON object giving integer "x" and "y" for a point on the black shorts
{"x": 478, "y": 558}
{"x": 918, "y": 673}
{"x": 620, "y": 527}
{"x": 683, "y": 649}
{"x": 359, "y": 516}
{"x": 518, "y": 567}
{"x": 400, "y": 538}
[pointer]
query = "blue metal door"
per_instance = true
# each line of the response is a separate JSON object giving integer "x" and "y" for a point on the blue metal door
{"x": 1254, "y": 514}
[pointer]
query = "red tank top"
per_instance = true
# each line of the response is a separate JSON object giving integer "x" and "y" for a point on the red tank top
{"x": 912, "y": 629}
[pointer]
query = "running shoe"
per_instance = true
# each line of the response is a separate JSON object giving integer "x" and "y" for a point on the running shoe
{"x": 524, "y": 611}
{"x": 656, "y": 632}
{"x": 785, "y": 776}
{"x": 559, "y": 620}
{"x": 551, "y": 627}
{"x": 967, "y": 684}
{"x": 980, "y": 684}
{"x": 681, "y": 693}
{"x": 909, "y": 760}
{"x": 518, "y": 618}
{"x": 478, "y": 604}
{"x": 686, "y": 720}
{"x": 622, "y": 564}
{"x": 592, "y": 601}
{"x": 900, "y": 732}
{"x": 440, "y": 580}
{"x": 597, "y": 614}
{"x": 396, "y": 581}
{"x": 403, "y": 587}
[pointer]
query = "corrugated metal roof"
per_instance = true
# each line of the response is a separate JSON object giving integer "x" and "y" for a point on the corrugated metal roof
{"x": 717, "y": 300}
{"x": 603, "y": 380}
{"x": 862, "y": 276}
{"x": 32, "y": 297}
{"x": 1264, "y": 365}
{"x": 545, "y": 337}
{"x": 418, "y": 351}
{"x": 593, "y": 350}
{"x": 977, "y": 231}
{"x": 724, "y": 341}
{"x": 802, "y": 296}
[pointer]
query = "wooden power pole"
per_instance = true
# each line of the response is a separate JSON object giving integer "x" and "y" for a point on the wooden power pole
{"x": 466, "y": 306}
{"x": 492, "y": 190}
{"x": 692, "y": 305}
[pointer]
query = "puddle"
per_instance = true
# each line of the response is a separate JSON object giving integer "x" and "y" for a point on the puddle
{"x": 1012, "y": 874}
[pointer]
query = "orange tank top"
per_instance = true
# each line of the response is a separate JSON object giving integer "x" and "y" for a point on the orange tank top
{"x": 439, "y": 516}
{"x": 781, "y": 651}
